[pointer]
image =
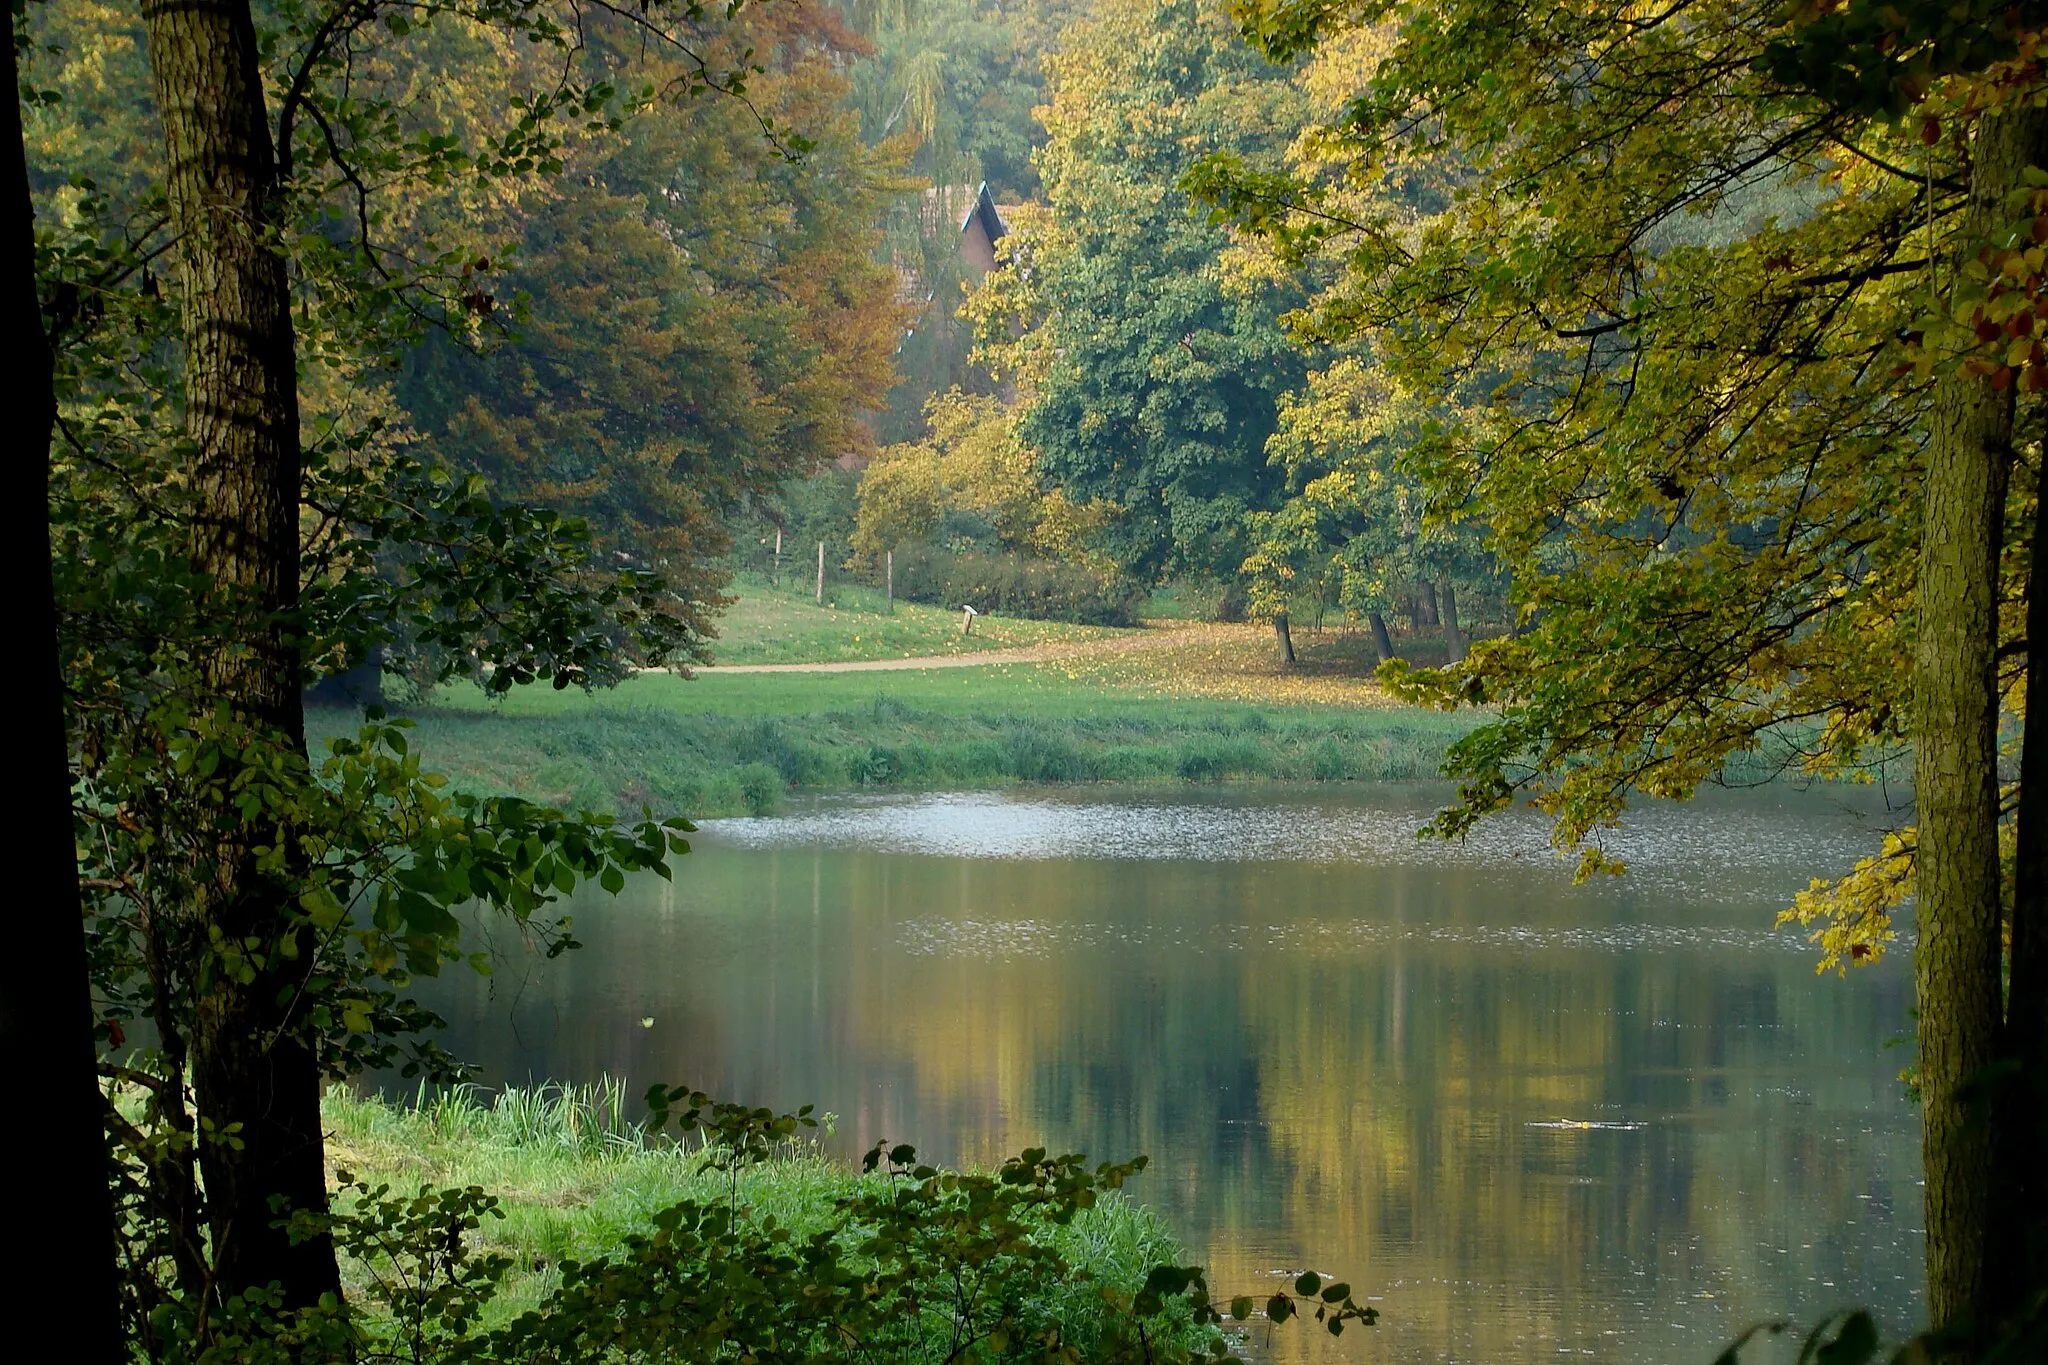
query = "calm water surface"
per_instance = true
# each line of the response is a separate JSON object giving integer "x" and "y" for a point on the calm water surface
{"x": 1610, "y": 1122}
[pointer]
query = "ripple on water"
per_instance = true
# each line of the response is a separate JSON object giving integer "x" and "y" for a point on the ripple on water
{"x": 1038, "y": 938}
{"x": 1687, "y": 848}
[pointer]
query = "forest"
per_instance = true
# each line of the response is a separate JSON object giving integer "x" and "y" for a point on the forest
{"x": 515, "y": 478}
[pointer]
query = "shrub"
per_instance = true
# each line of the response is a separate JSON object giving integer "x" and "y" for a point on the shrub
{"x": 1014, "y": 585}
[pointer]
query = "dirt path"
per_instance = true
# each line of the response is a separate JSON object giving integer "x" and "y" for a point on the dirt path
{"x": 1152, "y": 637}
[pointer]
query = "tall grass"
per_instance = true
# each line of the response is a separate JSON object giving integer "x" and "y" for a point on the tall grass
{"x": 577, "y": 1175}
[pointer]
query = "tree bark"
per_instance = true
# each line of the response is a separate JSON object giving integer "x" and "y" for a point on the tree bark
{"x": 253, "y": 1058}
{"x": 46, "y": 1013}
{"x": 1283, "y": 636}
{"x": 1382, "y": 643}
{"x": 1955, "y": 722}
{"x": 2019, "y": 1250}
{"x": 1454, "y": 635}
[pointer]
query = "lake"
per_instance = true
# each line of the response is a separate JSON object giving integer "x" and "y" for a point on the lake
{"x": 1530, "y": 1120}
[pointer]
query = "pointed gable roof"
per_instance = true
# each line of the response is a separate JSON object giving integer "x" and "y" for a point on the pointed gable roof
{"x": 984, "y": 210}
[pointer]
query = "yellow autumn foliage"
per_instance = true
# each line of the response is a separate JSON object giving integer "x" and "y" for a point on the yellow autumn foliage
{"x": 1855, "y": 909}
{"x": 969, "y": 460}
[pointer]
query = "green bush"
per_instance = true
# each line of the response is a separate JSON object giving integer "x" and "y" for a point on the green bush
{"x": 1014, "y": 585}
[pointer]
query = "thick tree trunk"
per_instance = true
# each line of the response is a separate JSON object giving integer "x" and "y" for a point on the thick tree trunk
{"x": 1454, "y": 634}
{"x": 2019, "y": 1251}
{"x": 46, "y": 1016}
{"x": 1283, "y": 636}
{"x": 1955, "y": 710}
{"x": 253, "y": 1061}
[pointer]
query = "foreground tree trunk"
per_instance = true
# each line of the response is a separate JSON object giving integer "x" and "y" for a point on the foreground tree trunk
{"x": 253, "y": 1060}
{"x": 46, "y": 1016}
{"x": 2019, "y": 1250}
{"x": 1283, "y": 636}
{"x": 1955, "y": 710}
{"x": 1454, "y": 634}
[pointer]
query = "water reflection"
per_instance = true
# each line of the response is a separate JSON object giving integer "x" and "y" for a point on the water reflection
{"x": 1616, "y": 1121}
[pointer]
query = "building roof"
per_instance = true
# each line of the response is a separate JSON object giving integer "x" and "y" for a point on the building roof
{"x": 984, "y": 208}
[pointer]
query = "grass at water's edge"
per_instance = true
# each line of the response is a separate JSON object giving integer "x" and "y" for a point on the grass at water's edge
{"x": 644, "y": 745}
{"x": 575, "y": 1178}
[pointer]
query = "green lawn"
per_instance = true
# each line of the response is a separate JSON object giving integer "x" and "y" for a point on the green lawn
{"x": 770, "y": 625}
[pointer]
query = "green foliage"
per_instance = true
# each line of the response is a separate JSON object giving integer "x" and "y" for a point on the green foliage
{"x": 1014, "y": 584}
{"x": 1150, "y": 380}
{"x": 1357, "y": 527}
{"x": 1874, "y": 57}
{"x": 1673, "y": 394}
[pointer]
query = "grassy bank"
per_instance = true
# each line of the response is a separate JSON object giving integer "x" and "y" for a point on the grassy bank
{"x": 738, "y": 745}
{"x": 1186, "y": 703}
{"x": 576, "y": 1179}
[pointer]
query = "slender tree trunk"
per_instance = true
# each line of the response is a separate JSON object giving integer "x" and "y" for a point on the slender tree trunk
{"x": 2020, "y": 1247}
{"x": 253, "y": 1060}
{"x": 1955, "y": 711}
{"x": 46, "y": 1015}
{"x": 1382, "y": 643}
{"x": 1454, "y": 634}
{"x": 1283, "y": 636}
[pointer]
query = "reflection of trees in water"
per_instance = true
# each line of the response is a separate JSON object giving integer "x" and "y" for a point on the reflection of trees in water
{"x": 1370, "y": 1105}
